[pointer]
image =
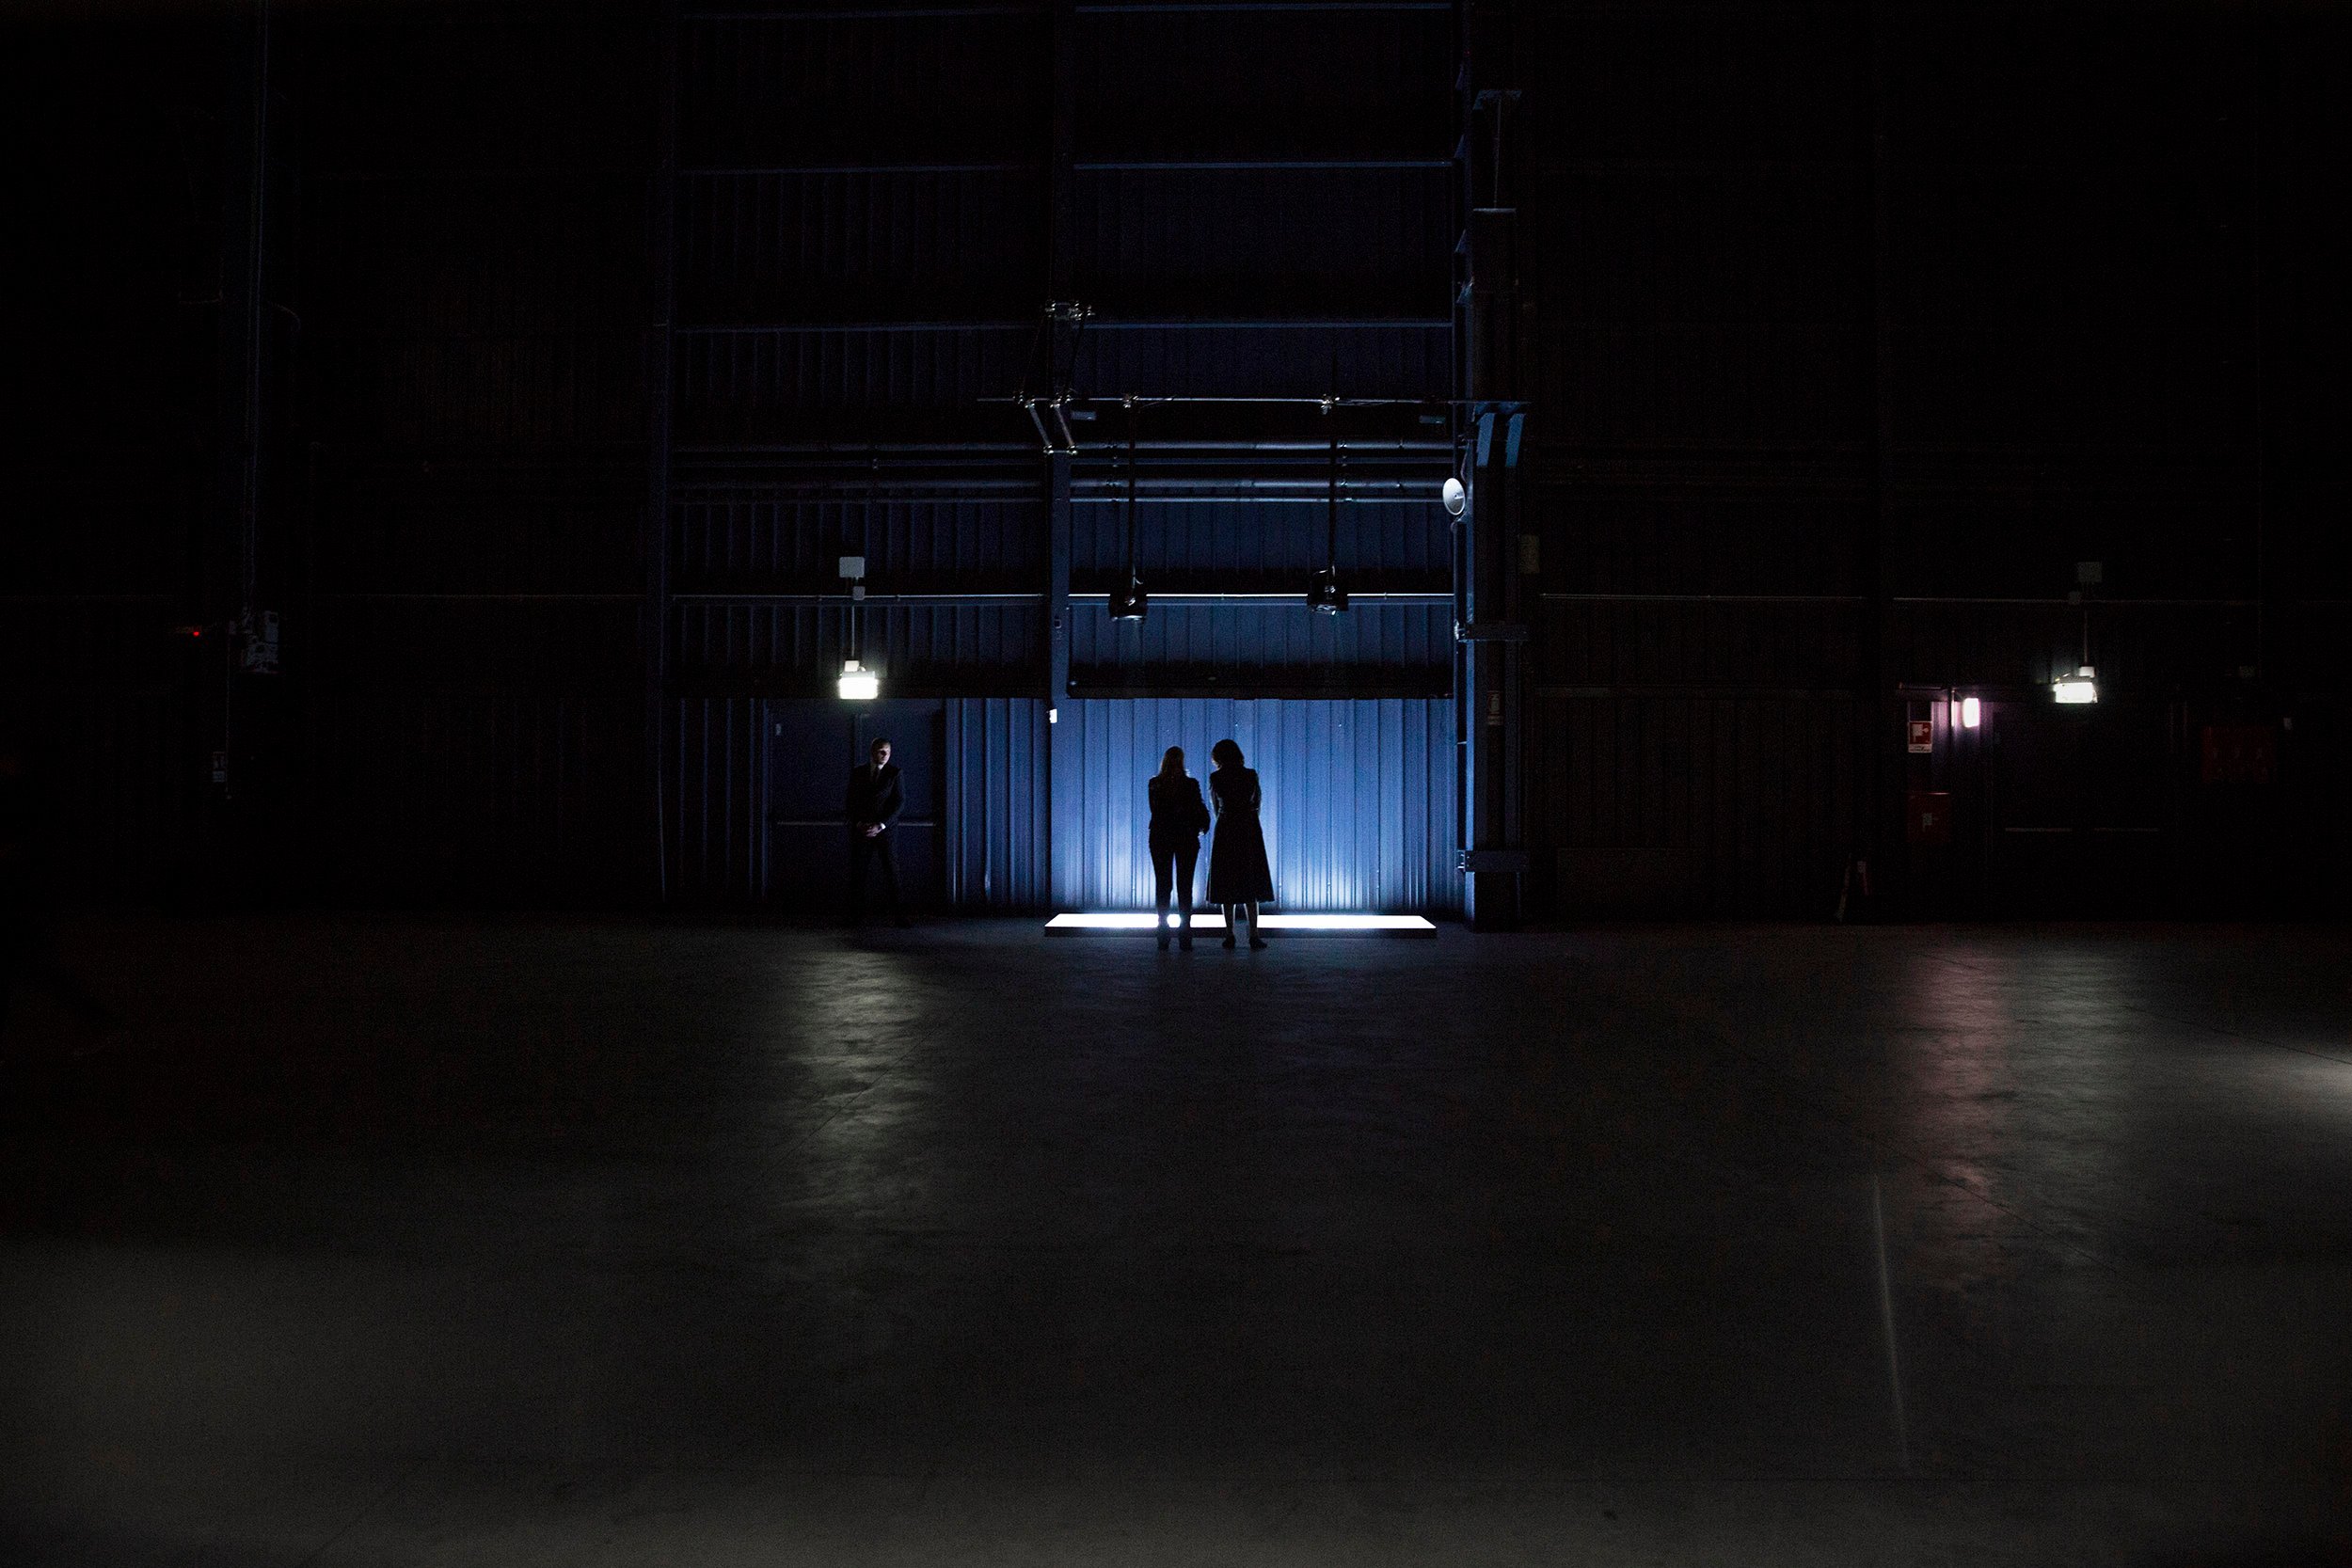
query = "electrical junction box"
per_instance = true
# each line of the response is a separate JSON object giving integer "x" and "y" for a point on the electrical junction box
{"x": 1928, "y": 816}
{"x": 2240, "y": 754}
{"x": 258, "y": 654}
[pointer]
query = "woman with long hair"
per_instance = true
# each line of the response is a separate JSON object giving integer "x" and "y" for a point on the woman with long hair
{"x": 1179, "y": 817}
{"x": 1239, "y": 878}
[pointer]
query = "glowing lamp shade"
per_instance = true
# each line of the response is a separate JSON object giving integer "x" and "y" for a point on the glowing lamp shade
{"x": 2080, "y": 686}
{"x": 859, "y": 684}
{"x": 1971, "y": 713}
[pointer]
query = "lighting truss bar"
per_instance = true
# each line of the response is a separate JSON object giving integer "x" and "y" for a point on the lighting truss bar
{"x": 1290, "y": 597}
{"x": 754, "y": 597}
{"x": 1144, "y": 923}
{"x": 1213, "y": 448}
{"x": 1180, "y": 165}
{"x": 1147, "y": 400}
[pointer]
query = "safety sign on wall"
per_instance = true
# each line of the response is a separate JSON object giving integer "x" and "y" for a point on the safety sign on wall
{"x": 1923, "y": 734}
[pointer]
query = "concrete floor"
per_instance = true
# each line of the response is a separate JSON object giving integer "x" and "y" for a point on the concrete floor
{"x": 410, "y": 1241}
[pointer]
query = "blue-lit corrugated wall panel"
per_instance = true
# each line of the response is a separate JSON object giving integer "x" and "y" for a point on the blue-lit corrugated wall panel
{"x": 1282, "y": 644}
{"x": 1358, "y": 796}
{"x": 1378, "y": 540}
{"x": 995, "y": 804}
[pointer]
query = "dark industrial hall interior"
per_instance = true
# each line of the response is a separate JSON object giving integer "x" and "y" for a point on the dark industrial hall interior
{"x": 603, "y": 599}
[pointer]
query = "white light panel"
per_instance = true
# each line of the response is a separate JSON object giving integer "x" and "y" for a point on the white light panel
{"x": 1346, "y": 923}
{"x": 1202, "y": 920}
{"x": 1128, "y": 921}
{"x": 1971, "y": 713}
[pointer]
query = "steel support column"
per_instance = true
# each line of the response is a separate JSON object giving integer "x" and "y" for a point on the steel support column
{"x": 242, "y": 705}
{"x": 1883, "y": 759}
{"x": 1493, "y": 627}
{"x": 659, "y": 374}
{"x": 1061, "y": 215}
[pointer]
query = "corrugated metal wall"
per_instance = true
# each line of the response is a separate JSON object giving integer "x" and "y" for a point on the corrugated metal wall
{"x": 715, "y": 800}
{"x": 1678, "y": 804}
{"x": 1846, "y": 333}
{"x": 1358, "y": 809}
{"x": 1853, "y": 332}
{"x": 998, "y": 805}
{"x": 473, "y": 274}
{"x": 864, "y": 239}
{"x": 112, "y": 473}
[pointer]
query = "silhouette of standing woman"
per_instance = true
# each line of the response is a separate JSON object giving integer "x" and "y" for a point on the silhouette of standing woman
{"x": 1179, "y": 817}
{"x": 1239, "y": 878}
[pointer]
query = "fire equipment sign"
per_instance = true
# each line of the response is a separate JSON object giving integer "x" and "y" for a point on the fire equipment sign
{"x": 1929, "y": 820}
{"x": 1923, "y": 734}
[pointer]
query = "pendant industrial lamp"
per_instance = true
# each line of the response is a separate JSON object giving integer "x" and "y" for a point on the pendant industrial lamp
{"x": 1128, "y": 600}
{"x": 857, "y": 684}
{"x": 1324, "y": 593}
{"x": 2083, "y": 685}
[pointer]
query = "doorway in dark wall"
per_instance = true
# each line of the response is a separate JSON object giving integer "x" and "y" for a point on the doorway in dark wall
{"x": 812, "y": 745}
{"x": 2080, "y": 803}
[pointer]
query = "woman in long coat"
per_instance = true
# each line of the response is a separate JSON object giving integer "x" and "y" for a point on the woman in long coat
{"x": 1239, "y": 878}
{"x": 1179, "y": 817}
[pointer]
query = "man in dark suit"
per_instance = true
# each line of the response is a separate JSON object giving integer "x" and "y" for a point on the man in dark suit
{"x": 875, "y": 800}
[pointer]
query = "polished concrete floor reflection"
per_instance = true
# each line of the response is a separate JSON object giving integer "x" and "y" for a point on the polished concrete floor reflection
{"x": 415, "y": 1241}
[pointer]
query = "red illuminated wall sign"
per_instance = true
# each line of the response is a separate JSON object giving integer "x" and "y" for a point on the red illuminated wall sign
{"x": 1922, "y": 735}
{"x": 2240, "y": 754}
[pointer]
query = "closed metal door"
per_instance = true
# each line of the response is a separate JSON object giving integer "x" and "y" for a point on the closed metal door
{"x": 813, "y": 745}
{"x": 2079, "y": 811}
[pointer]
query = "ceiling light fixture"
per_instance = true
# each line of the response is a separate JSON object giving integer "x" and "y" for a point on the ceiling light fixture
{"x": 1324, "y": 593}
{"x": 1129, "y": 601}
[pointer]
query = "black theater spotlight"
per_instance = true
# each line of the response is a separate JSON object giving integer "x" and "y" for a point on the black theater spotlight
{"x": 1324, "y": 591}
{"x": 1128, "y": 600}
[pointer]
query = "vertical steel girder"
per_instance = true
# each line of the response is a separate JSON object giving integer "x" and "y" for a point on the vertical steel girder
{"x": 659, "y": 375}
{"x": 1493, "y": 637}
{"x": 1492, "y": 625}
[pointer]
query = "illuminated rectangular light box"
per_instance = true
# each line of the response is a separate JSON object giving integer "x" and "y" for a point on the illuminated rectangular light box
{"x": 1143, "y": 923}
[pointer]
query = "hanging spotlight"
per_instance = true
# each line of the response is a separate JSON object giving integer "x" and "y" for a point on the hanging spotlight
{"x": 2080, "y": 686}
{"x": 859, "y": 684}
{"x": 1324, "y": 593}
{"x": 1971, "y": 713}
{"x": 1129, "y": 601}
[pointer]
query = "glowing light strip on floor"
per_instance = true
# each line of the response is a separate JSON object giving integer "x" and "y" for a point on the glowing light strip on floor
{"x": 1206, "y": 921}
